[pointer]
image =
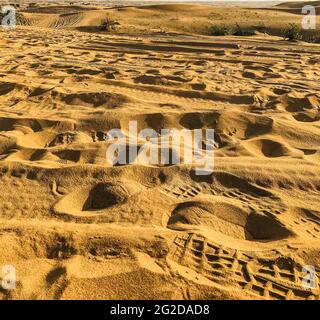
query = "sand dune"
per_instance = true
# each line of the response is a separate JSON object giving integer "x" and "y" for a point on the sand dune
{"x": 76, "y": 227}
{"x": 298, "y": 4}
{"x": 296, "y": 7}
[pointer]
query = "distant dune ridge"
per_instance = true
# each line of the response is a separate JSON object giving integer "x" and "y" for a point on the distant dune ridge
{"x": 296, "y": 7}
{"x": 298, "y": 4}
{"x": 77, "y": 227}
{"x": 179, "y": 18}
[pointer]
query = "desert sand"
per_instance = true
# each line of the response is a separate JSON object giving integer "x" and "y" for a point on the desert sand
{"x": 75, "y": 227}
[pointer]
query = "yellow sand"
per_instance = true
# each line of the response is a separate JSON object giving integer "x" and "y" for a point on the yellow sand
{"x": 74, "y": 227}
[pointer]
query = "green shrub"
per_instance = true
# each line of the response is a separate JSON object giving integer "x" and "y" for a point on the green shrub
{"x": 292, "y": 32}
{"x": 108, "y": 24}
{"x": 220, "y": 30}
{"x": 224, "y": 30}
{"x": 240, "y": 31}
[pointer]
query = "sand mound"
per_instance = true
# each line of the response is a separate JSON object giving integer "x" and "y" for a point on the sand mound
{"x": 228, "y": 218}
{"x": 95, "y": 200}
